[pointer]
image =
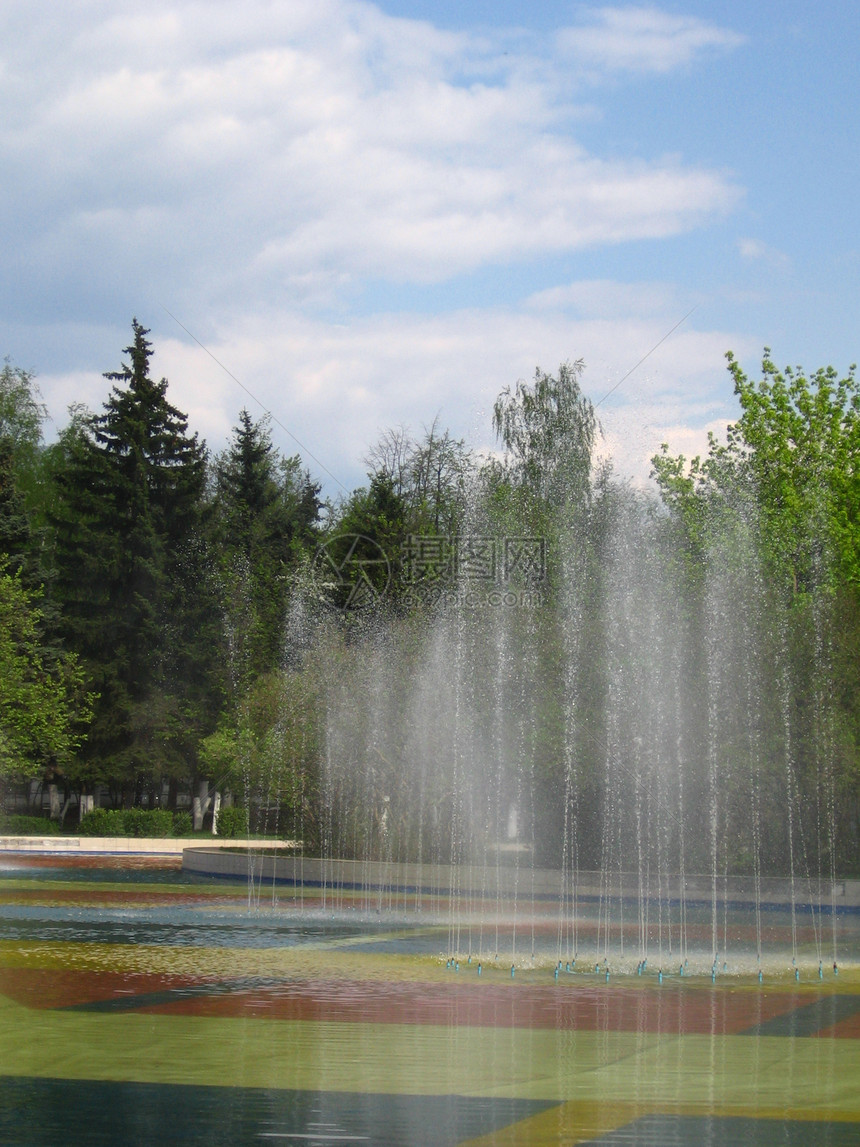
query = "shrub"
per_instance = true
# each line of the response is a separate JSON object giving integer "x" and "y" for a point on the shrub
{"x": 232, "y": 822}
{"x": 148, "y": 821}
{"x": 16, "y": 824}
{"x": 159, "y": 822}
{"x": 182, "y": 824}
{"x": 127, "y": 822}
{"x": 103, "y": 822}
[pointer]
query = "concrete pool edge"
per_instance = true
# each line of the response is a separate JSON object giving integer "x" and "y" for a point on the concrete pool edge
{"x": 119, "y": 845}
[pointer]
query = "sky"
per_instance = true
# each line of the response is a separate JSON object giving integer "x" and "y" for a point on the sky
{"x": 359, "y": 216}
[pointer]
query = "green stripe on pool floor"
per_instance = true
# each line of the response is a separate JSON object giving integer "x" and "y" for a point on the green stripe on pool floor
{"x": 809, "y": 1019}
{"x": 43, "y": 1112}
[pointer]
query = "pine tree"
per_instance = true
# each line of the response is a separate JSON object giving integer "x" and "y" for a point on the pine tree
{"x": 266, "y": 512}
{"x": 130, "y": 485}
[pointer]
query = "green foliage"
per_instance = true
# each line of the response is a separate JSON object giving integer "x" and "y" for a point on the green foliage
{"x": 131, "y": 581}
{"x": 15, "y": 824}
{"x": 23, "y": 537}
{"x": 268, "y": 750}
{"x": 14, "y": 520}
{"x": 156, "y": 822}
{"x": 44, "y": 707}
{"x": 221, "y": 757}
{"x": 182, "y": 823}
{"x": 548, "y": 431}
{"x": 800, "y": 437}
{"x": 138, "y": 822}
{"x": 791, "y": 462}
{"x": 233, "y": 822}
{"x": 265, "y": 513}
{"x": 22, "y": 414}
{"x": 778, "y": 505}
{"x": 103, "y": 822}
{"x": 430, "y": 476}
{"x": 365, "y": 546}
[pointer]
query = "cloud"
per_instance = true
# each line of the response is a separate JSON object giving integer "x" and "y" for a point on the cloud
{"x": 642, "y": 40}
{"x": 637, "y": 445}
{"x": 271, "y": 173}
{"x": 333, "y": 387}
{"x": 605, "y": 298}
{"x": 301, "y": 149}
{"x": 754, "y": 250}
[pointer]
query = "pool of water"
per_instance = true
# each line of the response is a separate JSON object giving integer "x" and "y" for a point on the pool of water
{"x": 141, "y": 1006}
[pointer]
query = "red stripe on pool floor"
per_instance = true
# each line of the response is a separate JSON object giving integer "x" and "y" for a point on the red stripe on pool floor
{"x": 63, "y": 988}
{"x": 848, "y": 1028}
{"x": 568, "y": 1008}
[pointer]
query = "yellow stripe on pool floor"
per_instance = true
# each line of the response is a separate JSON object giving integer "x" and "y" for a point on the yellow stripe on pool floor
{"x": 655, "y": 1072}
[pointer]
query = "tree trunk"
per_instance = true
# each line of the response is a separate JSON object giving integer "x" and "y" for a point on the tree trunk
{"x": 200, "y": 805}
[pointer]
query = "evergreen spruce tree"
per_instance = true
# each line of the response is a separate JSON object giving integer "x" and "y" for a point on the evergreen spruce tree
{"x": 130, "y": 485}
{"x": 267, "y": 508}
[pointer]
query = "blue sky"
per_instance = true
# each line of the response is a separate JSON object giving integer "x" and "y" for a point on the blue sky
{"x": 374, "y": 214}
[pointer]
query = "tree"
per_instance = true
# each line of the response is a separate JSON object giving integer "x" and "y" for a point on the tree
{"x": 265, "y": 753}
{"x": 548, "y": 431}
{"x": 266, "y": 513}
{"x": 432, "y": 476}
{"x": 14, "y": 520}
{"x": 794, "y": 454}
{"x": 131, "y": 573}
{"x": 365, "y": 545}
{"x": 800, "y": 438}
{"x": 23, "y": 537}
{"x": 22, "y": 414}
{"x": 771, "y": 520}
{"x": 44, "y": 707}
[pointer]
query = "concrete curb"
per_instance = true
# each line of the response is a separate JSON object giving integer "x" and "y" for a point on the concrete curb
{"x": 121, "y": 845}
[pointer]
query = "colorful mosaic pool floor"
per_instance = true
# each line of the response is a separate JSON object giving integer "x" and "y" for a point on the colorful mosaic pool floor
{"x": 139, "y": 1008}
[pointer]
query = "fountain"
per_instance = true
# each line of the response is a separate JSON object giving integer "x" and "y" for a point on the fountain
{"x": 595, "y": 760}
{"x": 574, "y": 879}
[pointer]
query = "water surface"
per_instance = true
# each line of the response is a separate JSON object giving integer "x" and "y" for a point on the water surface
{"x": 138, "y": 1006}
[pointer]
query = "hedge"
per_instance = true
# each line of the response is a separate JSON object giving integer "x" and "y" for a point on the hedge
{"x": 127, "y": 822}
{"x": 16, "y": 824}
{"x": 232, "y": 822}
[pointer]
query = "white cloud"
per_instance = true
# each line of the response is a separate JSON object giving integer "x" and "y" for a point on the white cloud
{"x": 325, "y": 142}
{"x": 642, "y": 39}
{"x": 754, "y": 250}
{"x": 260, "y": 170}
{"x": 636, "y": 444}
{"x": 606, "y": 298}
{"x": 335, "y": 387}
